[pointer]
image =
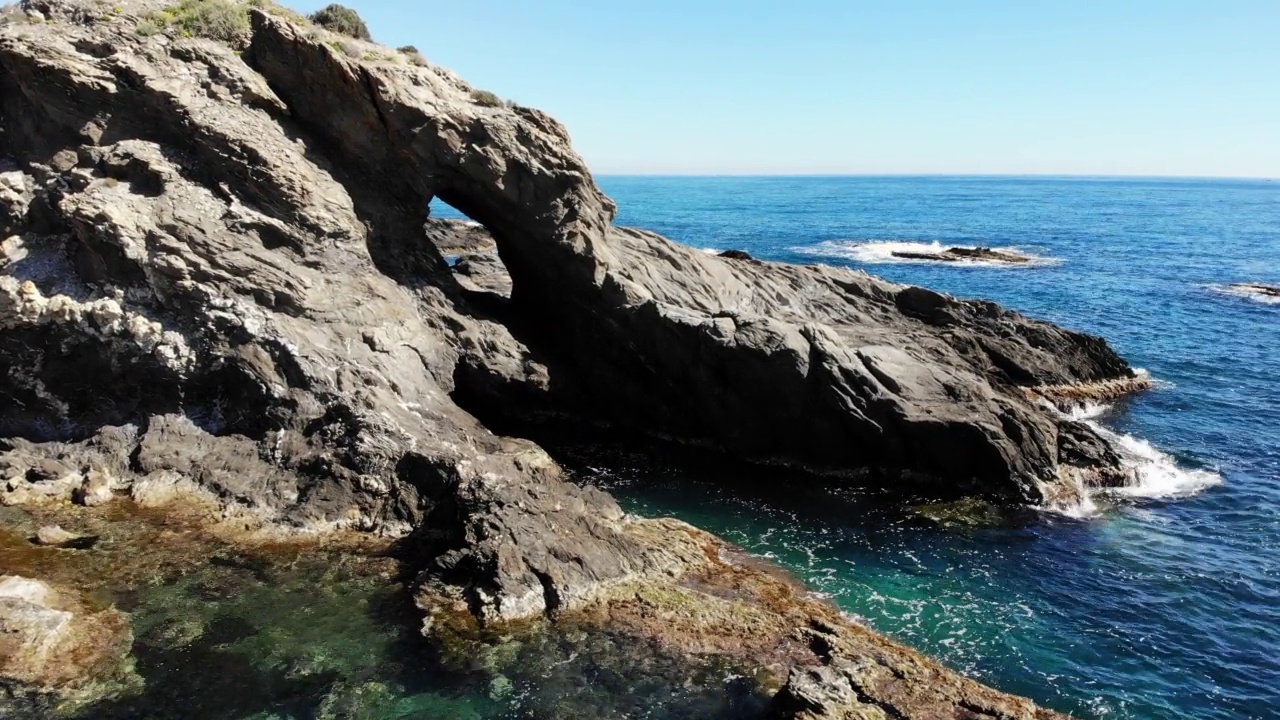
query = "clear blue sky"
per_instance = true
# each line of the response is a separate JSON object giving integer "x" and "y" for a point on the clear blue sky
{"x": 1118, "y": 87}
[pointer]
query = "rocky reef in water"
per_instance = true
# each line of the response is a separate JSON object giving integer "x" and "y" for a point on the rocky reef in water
{"x": 1272, "y": 291}
{"x": 965, "y": 254}
{"x": 1259, "y": 292}
{"x": 221, "y": 290}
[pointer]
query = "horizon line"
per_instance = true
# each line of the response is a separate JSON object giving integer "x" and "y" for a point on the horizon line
{"x": 1266, "y": 178}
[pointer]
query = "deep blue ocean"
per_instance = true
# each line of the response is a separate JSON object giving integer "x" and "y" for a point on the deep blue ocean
{"x": 1160, "y": 604}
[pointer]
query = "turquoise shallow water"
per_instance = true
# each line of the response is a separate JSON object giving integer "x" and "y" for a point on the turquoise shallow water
{"x": 1165, "y": 605}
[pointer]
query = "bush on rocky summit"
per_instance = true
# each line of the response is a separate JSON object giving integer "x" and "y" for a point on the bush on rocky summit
{"x": 215, "y": 19}
{"x": 342, "y": 20}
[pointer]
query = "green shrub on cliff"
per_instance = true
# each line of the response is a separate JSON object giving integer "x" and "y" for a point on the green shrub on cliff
{"x": 342, "y": 20}
{"x": 486, "y": 98}
{"x": 412, "y": 55}
{"x": 215, "y": 19}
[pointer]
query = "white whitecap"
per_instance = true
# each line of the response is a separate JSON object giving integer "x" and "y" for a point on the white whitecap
{"x": 1155, "y": 474}
{"x": 1079, "y": 507}
{"x": 1087, "y": 411}
{"x": 882, "y": 251}
{"x": 1246, "y": 291}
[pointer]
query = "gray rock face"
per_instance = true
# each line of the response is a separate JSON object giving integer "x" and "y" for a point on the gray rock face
{"x": 198, "y": 305}
{"x": 217, "y": 287}
{"x": 828, "y": 369}
{"x": 458, "y": 237}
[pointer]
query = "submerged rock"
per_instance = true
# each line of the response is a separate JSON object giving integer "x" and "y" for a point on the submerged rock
{"x": 962, "y": 254}
{"x": 55, "y": 536}
{"x": 969, "y": 512}
{"x": 55, "y": 647}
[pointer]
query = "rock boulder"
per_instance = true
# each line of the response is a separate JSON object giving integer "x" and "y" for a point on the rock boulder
{"x": 53, "y": 644}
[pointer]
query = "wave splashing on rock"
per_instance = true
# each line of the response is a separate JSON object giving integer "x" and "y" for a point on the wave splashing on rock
{"x": 1265, "y": 294}
{"x": 876, "y": 252}
{"x": 1156, "y": 474}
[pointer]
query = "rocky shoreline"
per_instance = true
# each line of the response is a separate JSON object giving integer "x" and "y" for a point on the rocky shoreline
{"x": 222, "y": 293}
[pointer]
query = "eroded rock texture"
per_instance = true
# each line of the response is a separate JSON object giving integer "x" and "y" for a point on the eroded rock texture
{"x": 828, "y": 369}
{"x": 218, "y": 287}
{"x": 202, "y": 302}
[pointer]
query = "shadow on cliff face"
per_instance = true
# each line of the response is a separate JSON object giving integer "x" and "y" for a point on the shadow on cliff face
{"x": 99, "y": 387}
{"x": 671, "y": 478}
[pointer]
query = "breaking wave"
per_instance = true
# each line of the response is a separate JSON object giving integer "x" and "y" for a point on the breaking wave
{"x": 1156, "y": 475}
{"x": 1247, "y": 292}
{"x": 882, "y": 251}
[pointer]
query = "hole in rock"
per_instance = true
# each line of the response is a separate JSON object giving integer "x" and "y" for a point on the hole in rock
{"x": 471, "y": 253}
{"x": 442, "y": 210}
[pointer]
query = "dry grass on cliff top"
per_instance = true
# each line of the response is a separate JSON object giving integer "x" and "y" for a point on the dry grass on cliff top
{"x": 228, "y": 21}
{"x": 223, "y": 20}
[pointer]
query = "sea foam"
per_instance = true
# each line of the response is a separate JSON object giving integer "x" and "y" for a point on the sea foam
{"x": 1156, "y": 475}
{"x": 882, "y": 251}
{"x": 1244, "y": 291}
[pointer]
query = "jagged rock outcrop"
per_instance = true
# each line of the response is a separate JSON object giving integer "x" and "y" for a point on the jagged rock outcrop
{"x": 200, "y": 305}
{"x": 217, "y": 289}
{"x": 831, "y": 370}
{"x": 828, "y": 369}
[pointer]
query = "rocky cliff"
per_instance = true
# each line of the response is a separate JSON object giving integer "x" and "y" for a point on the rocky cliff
{"x": 218, "y": 289}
